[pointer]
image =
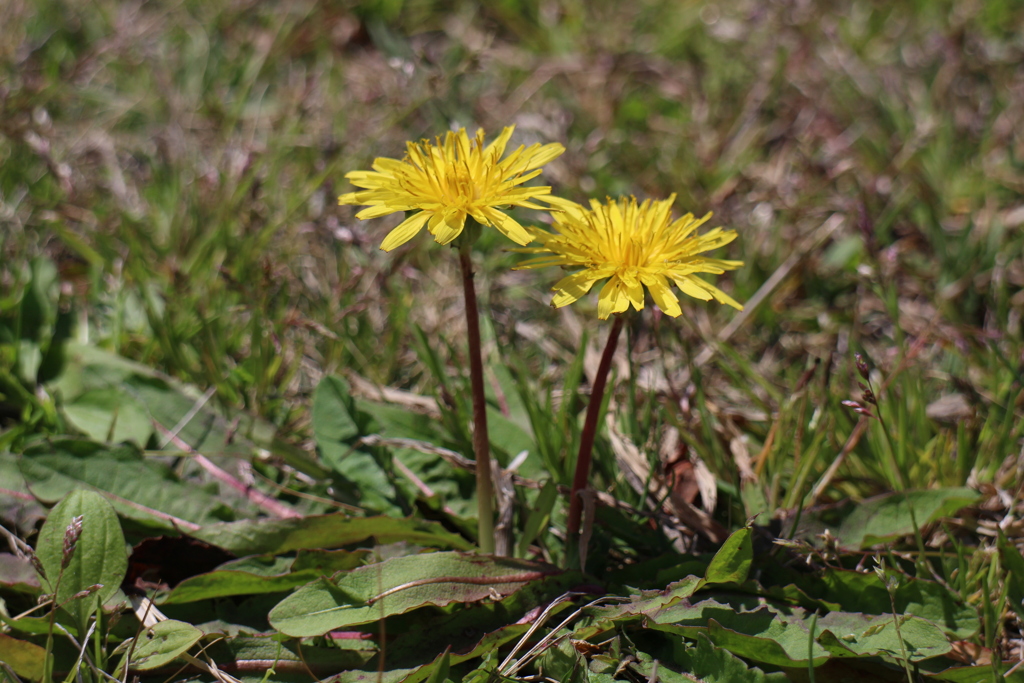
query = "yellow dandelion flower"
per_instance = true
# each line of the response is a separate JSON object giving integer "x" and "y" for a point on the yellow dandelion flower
{"x": 451, "y": 179}
{"x": 634, "y": 246}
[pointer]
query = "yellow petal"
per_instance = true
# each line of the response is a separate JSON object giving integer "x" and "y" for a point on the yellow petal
{"x": 509, "y": 226}
{"x": 663, "y": 295}
{"x": 572, "y": 287}
{"x": 447, "y": 226}
{"x": 368, "y": 178}
{"x": 612, "y": 299}
{"x": 691, "y": 288}
{"x": 518, "y": 178}
{"x": 724, "y": 265}
{"x": 378, "y": 211}
{"x": 723, "y": 298}
{"x": 545, "y": 154}
{"x": 539, "y": 262}
{"x": 405, "y": 231}
{"x": 713, "y": 239}
{"x": 562, "y": 299}
{"x": 564, "y": 206}
{"x": 635, "y": 293}
{"x": 707, "y": 291}
{"x": 384, "y": 167}
{"x": 497, "y": 147}
{"x": 461, "y": 144}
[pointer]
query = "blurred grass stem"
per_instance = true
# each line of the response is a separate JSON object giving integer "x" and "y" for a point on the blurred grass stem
{"x": 481, "y": 444}
{"x": 582, "y": 474}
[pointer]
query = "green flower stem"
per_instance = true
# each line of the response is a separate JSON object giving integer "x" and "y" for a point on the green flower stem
{"x": 582, "y": 475}
{"x": 481, "y": 444}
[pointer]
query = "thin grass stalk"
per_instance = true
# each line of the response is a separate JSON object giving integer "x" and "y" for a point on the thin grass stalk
{"x": 586, "y": 452}
{"x": 481, "y": 444}
{"x": 900, "y": 479}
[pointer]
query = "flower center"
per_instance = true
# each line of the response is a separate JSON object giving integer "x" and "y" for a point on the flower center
{"x": 464, "y": 186}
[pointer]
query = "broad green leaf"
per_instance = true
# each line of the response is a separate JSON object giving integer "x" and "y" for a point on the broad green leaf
{"x": 636, "y": 607}
{"x": 659, "y": 671}
{"x": 276, "y": 536}
{"x": 100, "y": 556}
{"x": 335, "y": 416}
{"x": 267, "y": 566}
{"x": 365, "y": 479}
{"x": 731, "y": 563}
{"x": 293, "y": 657}
{"x": 466, "y": 629}
{"x": 486, "y": 648}
{"x": 509, "y": 439}
{"x": 168, "y": 402}
{"x": 888, "y": 517}
{"x": 139, "y": 485}
{"x": 453, "y": 488}
{"x": 162, "y": 643}
{"x": 790, "y": 594}
{"x": 857, "y": 635}
{"x": 440, "y": 666}
{"x": 33, "y": 626}
{"x": 754, "y": 500}
{"x": 25, "y": 658}
{"x": 865, "y": 592}
{"x": 225, "y": 583}
{"x": 109, "y": 415}
{"x": 781, "y": 643}
{"x": 486, "y": 672}
{"x": 763, "y": 634}
{"x": 255, "y": 575}
{"x": 327, "y": 562}
{"x": 400, "y": 585}
{"x": 563, "y": 663}
{"x": 713, "y": 664}
{"x": 977, "y": 674}
{"x": 337, "y": 423}
{"x": 207, "y": 431}
{"x": 395, "y": 422}
{"x": 780, "y": 635}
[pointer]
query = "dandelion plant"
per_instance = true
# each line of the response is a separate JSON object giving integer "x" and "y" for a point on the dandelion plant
{"x": 633, "y": 246}
{"x": 454, "y": 185}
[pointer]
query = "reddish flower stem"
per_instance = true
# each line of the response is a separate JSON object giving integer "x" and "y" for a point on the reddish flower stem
{"x": 481, "y": 444}
{"x": 582, "y": 475}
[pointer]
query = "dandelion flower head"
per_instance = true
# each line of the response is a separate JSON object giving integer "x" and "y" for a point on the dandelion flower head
{"x": 632, "y": 246}
{"x": 453, "y": 178}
